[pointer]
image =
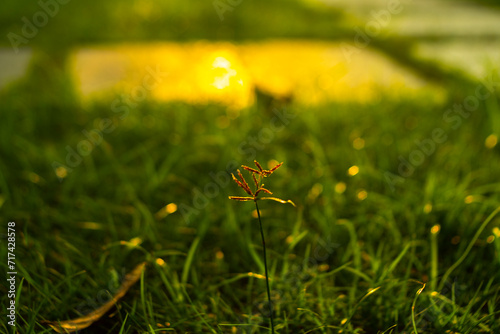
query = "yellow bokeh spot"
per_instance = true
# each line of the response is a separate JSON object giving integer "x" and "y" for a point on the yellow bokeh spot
{"x": 35, "y": 178}
{"x": 160, "y": 262}
{"x": 491, "y": 141}
{"x": 358, "y": 143}
{"x": 428, "y": 208}
{"x": 490, "y": 239}
{"x": 219, "y": 255}
{"x": 469, "y": 199}
{"x": 289, "y": 239}
{"x": 90, "y": 225}
{"x": 272, "y": 163}
{"x": 61, "y": 172}
{"x": 323, "y": 267}
{"x": 258, "y": 276}
{"x": 136, "y": 241}
{"x": 496, "y": 231}
{"x": 171, "y": 208}
{"x": 315, "y": 191}
{"x": 362, "y": 195}
{"x": 343, "y": 321}
{"x": 166, "y": 210}
{"x": 353, "y": 170}
{"x": 435, "y": 229}
{"x": 340, "y": 187}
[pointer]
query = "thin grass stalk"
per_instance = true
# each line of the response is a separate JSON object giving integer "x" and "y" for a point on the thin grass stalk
{"x": 265, "y": 268}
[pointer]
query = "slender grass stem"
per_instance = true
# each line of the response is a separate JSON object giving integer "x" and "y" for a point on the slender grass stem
{"x": 265, "y": 267}
{"x": 468, "y": 249}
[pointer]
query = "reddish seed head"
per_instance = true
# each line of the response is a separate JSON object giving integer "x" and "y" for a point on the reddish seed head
{"x": 258, "y": 166}
{"x": 242, "y": 183}
{"x": 250, "y": 169}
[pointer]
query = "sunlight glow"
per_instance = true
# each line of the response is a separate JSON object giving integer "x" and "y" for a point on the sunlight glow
{"x": 222, "y": 82}
{"x": 303, "y": 72}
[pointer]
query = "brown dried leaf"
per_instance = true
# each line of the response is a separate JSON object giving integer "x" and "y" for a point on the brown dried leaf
{"x": 71, "y": 326}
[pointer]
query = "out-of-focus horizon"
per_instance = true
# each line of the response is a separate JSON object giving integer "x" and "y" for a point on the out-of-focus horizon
{"x": 353, "y": 56}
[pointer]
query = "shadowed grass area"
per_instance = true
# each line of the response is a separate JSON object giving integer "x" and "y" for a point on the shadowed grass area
{"x": 351, "y": 257}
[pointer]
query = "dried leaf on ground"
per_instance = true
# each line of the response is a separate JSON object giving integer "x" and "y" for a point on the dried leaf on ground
{"x": 71, "y": 326}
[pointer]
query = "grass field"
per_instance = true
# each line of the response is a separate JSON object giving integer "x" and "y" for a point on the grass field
{"x": 372, "y": 247}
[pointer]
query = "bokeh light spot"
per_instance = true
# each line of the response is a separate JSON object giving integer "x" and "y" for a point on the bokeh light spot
{"x": 353, "y": 170}
{"x": 61, "y": 172}
{"x": 340, "y": 187}
{"x": 491, "y": 141}
{"x": 469, "y": 199}
{"x": 358, "y": 143}
{"x": 219, "y": 255}
{"x": 435, "y": 229}
{"x": 362, "y": 195}
{"x": 428, "y": 208}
